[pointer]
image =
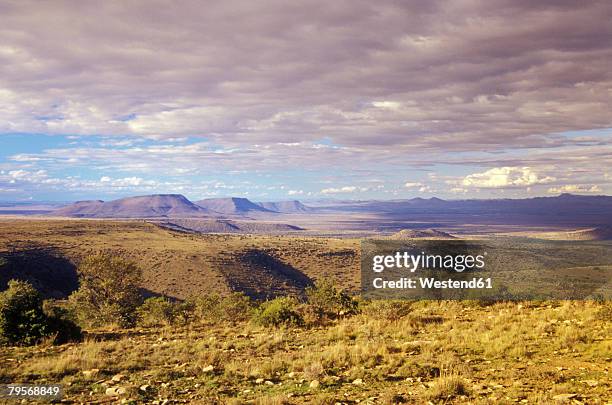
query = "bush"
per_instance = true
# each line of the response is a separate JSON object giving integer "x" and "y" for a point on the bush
{"x": 108, "y": 291}
{"x": 62, "y": 323}
{"x": 390, "y": 310}
{"x": 326, "y": 301}
{"x": 277, "y": 312}
{"x": 213, "y": 308}
{"x": 161, "y": 311}
{"x": 24, "y": 322}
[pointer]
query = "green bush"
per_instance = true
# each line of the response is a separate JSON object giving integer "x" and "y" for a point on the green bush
{"x": 213, "y": 308}
{"x": 326, "y": 301}
{"x": 62, "y": 323}
{"x": 23, "y": 320}
{"x": 278, "y": 312}
{"x": 162, "y": 311}
{"x": 108, "y": 293}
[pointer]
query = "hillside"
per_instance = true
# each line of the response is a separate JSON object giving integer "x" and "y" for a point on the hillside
{"x": 150, "y": 206}
{"x": 226, "y": 226}
{"x": 595, "y": 233}
{"x": 231, "y": 206}
{"x": 177, "y": 264}
{"x": 288, "y": 207}
{"x": 421, "y": 234}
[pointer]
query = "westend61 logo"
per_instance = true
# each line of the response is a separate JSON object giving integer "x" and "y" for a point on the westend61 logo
{"x": 412, "y": 262}
{"x": 490, "y": 269}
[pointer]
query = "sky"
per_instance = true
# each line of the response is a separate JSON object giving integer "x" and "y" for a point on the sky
{"x": 277, "y": 100}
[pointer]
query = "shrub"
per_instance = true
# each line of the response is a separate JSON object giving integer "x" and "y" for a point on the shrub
{"x": 390, "y": 310}
{"x": 213, "y": 308}
{"x": 108, "y": 291}
{"x": 157, "y": 311}
{"x": 326, "y": 301}
{"x": 62, "y": 323}
{"x": 277, "y": 312}
{"x": 24, "y": 322}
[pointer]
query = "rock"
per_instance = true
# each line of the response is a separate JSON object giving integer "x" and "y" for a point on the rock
{"x": 118, "y": 378}
{"x": 564, "y": 397}
{"x": 145, "y": 387}
{"x": 358, "y": 381}
{"x": 268, "y": 382}
{"x": 208, "y": 369}
{"x": 259, "y": 381}
{"x": 591, "y": 383}
{"x": 314, "y": 384}
{"x": 115, "y": 391}
{"x": 91, "y": 373}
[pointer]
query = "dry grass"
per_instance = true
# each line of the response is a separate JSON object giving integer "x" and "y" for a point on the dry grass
{"x": 507, "y": 352}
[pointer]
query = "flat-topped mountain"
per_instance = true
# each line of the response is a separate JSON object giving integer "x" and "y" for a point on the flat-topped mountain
{"x": 285, "y": 206}
{"x": 231, "y": 205}
{"x": 149, "y": 206}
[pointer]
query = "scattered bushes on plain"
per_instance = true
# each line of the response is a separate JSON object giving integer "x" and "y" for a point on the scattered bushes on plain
{"x": 281, "y": 311}
{"x": 24, "y": 322}
{"x": 108, "y": 291}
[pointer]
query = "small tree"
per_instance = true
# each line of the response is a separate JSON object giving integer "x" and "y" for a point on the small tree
{"x": 108, "y": 291}
{"x": 24, "y": 321}
{"x": 326, "y": 301}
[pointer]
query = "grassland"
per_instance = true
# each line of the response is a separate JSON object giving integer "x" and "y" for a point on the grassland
{"x": 439, "y": 352}
{"x": 411, "y": 352}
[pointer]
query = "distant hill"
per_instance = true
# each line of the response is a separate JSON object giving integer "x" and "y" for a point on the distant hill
{"x": 225, "y": 226}
{"x": 232, "y": 205}
{"x": 596, "y": 233}
{"x": 285, "y": 206}
{"x": 149, "y": 206}
{"x": 421, "y": 234}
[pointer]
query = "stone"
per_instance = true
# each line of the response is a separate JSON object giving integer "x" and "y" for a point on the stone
{"x": 145, "y": 387}
{"x": 268, "y": 382}
{"x": 358, "y": 381}
{"x": 118, "y": 378}
{"x": 91, "y": 373}
{"x": 115, "y": 391}
{"x": 564, "y": 397}
{"x": 314, "y": 384}
{"x": 208, "y": 369}
{"x": 259, "y": 381}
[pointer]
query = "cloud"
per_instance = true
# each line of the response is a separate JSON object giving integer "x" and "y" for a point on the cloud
{"x": 345, "y": 189}
{"x": 575, "y": 188}
{"x": 377, "y": 75}
{"x": 413, "y": 184}
{"x": 505, "y": 177}
{"x": 295, "y": 192}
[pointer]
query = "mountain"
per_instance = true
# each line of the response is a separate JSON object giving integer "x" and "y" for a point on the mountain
{"x": 287, "y": 207}
{"x": 232, "y": 205}
{"x": 596, "y": 233}
{"x": 79, "y": 209}
{"x": 149, "y": 206}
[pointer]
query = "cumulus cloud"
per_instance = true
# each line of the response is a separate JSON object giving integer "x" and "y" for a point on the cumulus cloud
{"x": 361, "y": 73}
{"x": 504, "y": 177}
{"x": 317, "y": 85}
{"x": 295, "y": 192}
